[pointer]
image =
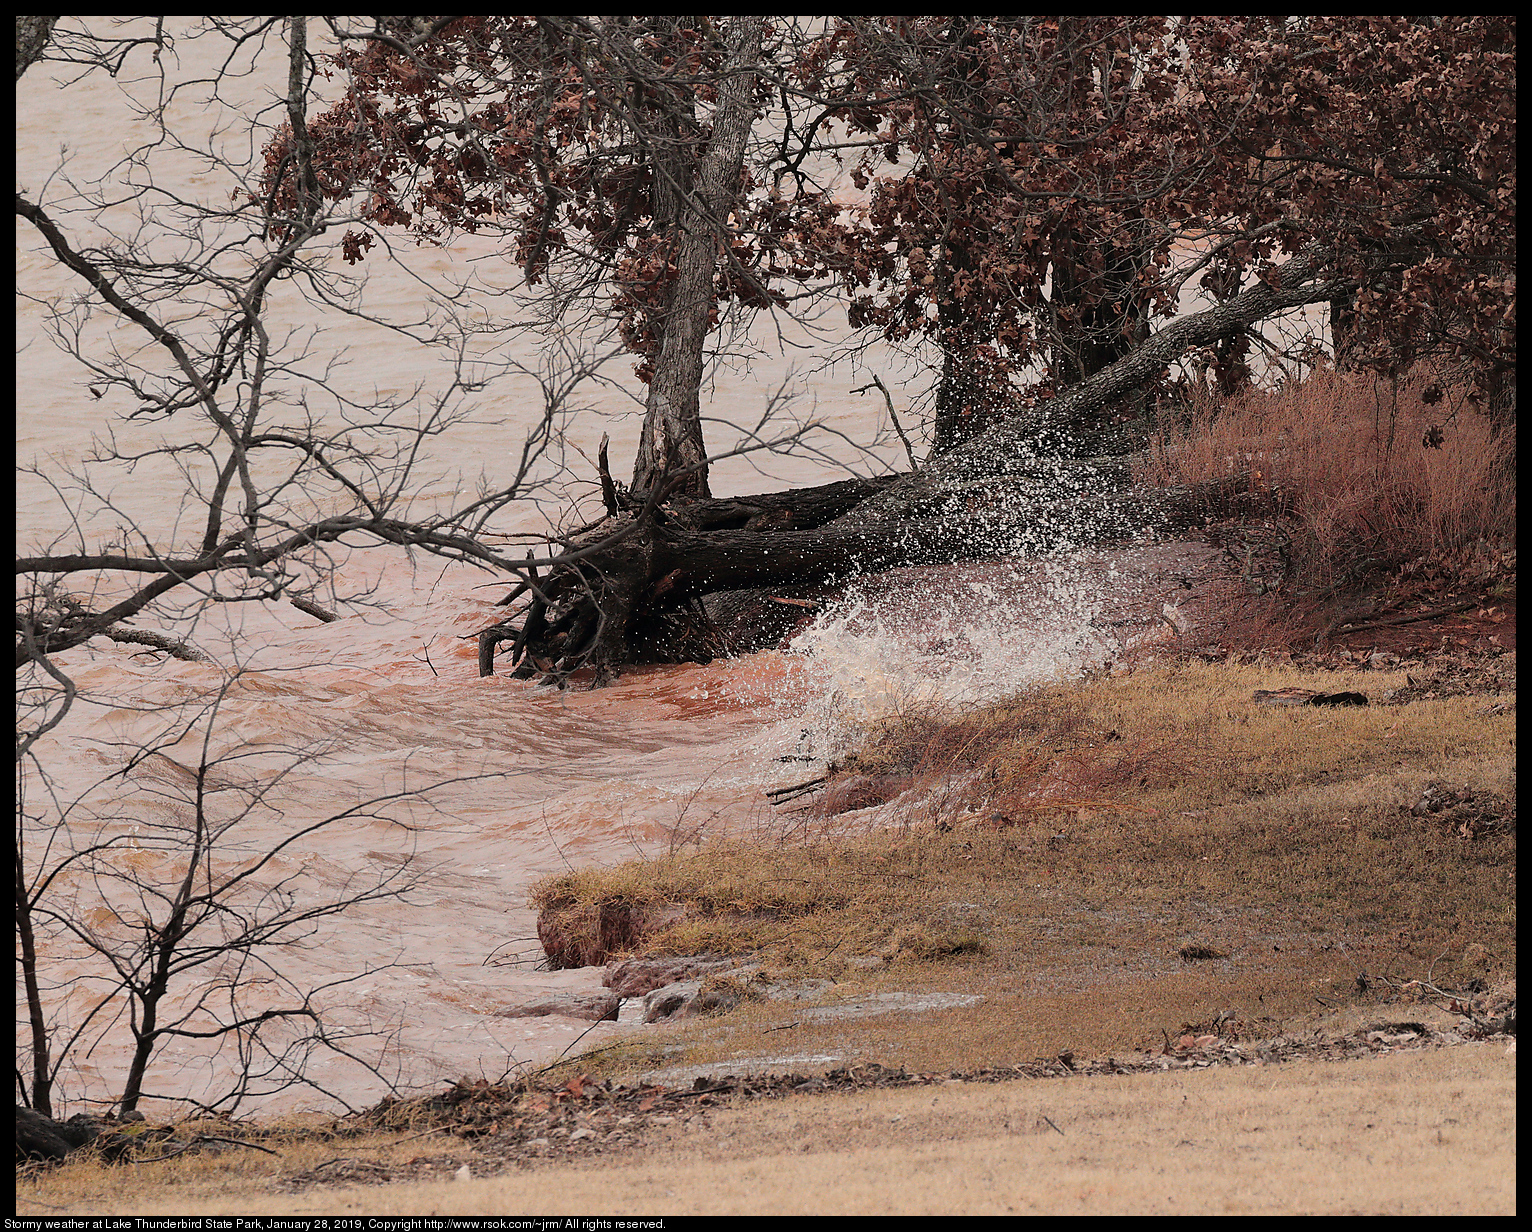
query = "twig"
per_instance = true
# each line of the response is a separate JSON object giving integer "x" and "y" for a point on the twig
{"x": 199, "y": 1141}
{"x": 608, "y": 488}
{"x": 904, "y": 440}
{"x": 440, "y": 1129}
{"x": 783, "y": 795}
{"x": 549, "y": 830}
{"x": 565, "y": 1059}
{"x": 237, "y": 1142}
{"x": 490, "y": 957}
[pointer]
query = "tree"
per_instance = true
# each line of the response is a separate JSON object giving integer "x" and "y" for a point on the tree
{"x": 623, "y": 591}
{"x": 1069, "y": 176}
{"x": 612, "y": 151}
{"x": 274, "y": 486}
{"x": 187, "y": 321}
{"x": 1392, "y": 141}
{"x": 1027, "y": 180}
{"x": 31, "y": 37}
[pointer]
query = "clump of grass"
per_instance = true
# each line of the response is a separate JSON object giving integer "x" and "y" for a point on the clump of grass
{"x": 722, "y": 898}
{"x": 721, "y": 991}
{"x": 1378, "y": 477}
{"x": 924, "y": 944}
{"x": 1014, "y": 762}
{"x": 583, "y": 917}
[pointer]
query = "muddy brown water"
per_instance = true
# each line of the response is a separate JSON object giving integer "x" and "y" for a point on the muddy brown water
{"x": 542, "y": 780}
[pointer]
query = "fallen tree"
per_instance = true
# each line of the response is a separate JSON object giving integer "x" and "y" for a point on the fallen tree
{"x": 631, "y": 591}
{"x": 630, "y": 588}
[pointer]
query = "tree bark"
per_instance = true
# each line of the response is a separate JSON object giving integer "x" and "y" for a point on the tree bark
{"x": 672, "y": 435}
{"x": 31, "y": 39}
{"x": 42, "y": 1077}
{"x": 692, "y": 564}
{"x": 39, "y": 1136}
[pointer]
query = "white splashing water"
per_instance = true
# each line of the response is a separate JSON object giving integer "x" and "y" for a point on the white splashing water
{"x": 943, "y": 636}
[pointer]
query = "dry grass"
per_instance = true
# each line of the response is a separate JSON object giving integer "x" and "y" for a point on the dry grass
{"x": 1420, "y": 1133}
{"x": 155, "y": 1176}
{"x": 1378, "y": 478}
{"x": 1013, "y": 763}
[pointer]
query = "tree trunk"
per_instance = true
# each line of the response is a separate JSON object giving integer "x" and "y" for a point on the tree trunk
{"x": 692, "y": 564}
{"x": 31, "y": 39}
{"x": 42, "y": 1078}
{"x": 1014, "y": 445}
{"x": 974, "y": 391}
{"x": 672, "y": 435}
{"x": 634, "y": 596}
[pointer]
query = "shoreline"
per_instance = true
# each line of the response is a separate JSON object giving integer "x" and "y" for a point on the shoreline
{"x": 1415, "y": 1128}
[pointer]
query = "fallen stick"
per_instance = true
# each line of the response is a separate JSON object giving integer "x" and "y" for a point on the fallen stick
{"x": 199, "y": 1141}
{"x": 1406, "y": 620}
{"x": 782, "y": 795}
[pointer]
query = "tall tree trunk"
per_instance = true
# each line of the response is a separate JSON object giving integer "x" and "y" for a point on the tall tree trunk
{"x": 31, "y": 38}
{"x": 42, "y": 1079}
{"x": 672, "y": 436}
{"x": 972, "y": 394}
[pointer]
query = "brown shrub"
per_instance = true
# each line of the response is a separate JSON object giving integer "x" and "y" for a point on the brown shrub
{"x": 1377, "y": 477}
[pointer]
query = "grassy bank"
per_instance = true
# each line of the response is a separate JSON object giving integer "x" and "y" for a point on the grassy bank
{"x": 1100, "y": 862}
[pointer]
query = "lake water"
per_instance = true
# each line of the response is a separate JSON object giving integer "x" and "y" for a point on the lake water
{"x": 388, "y": 698}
